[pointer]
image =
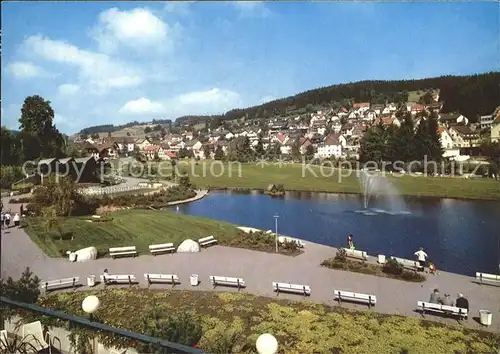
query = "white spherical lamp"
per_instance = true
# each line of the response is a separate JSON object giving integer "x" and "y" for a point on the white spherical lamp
{"x": 266, "y": 344}
{"x": 90, "y": 304}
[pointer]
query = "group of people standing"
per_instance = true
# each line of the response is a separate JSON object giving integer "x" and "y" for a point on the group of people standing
{"x": 6, "y": 218}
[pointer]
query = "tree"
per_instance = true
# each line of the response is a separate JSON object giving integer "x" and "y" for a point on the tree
{"x": 219, "y": 153}
{"x": 26, "y": 289}
{"x": 259, "y": 149}
{"x": 128, "y": 133}
{"x": 50, "y": 221}
{"x": 206, "y": 151}
{"x": 36, "y": 122}
{"x": 95, "y": 136}
{"x": 295, "y": 150}
{"x": 372, "y": 145}
{"x": 11, "y": 152}
{"x": 309, "y": 152}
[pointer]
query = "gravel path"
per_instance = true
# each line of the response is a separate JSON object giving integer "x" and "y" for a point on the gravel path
{"x": 259, "y": 270}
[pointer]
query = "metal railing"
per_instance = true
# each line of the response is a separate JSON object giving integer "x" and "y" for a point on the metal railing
{"x": 179, "y": 348}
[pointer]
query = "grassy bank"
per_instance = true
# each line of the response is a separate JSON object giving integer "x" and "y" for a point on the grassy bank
{"x": 300, "y": 327}
{"x": 138, "y": 228}
{"x": 315, "y": 178}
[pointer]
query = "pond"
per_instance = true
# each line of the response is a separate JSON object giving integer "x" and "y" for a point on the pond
{"x": 460, "y": 236}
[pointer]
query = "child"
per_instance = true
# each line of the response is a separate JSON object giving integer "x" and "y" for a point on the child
{"x": 350, "y": 242}
{"x": 432, "y": 268}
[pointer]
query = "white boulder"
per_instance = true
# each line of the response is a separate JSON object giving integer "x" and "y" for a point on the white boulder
{"x": 83, "y": 255}
{"x": 188, "y": 246}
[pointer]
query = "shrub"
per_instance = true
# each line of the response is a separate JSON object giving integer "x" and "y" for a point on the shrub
{"x": 341, "y": 255}
{"x": 22, "y": 200}
{"x": 290, "y": 245}
{"x": 392, "y": 266}
{"x": 412, "y": 276}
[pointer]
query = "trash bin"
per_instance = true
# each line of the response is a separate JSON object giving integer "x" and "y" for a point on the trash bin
{"x": 72, "y": 257}
{"x": 91, "y": 280}
{"x": 194, "y": 279}
{"x": 485, "y": 317}
{"x": 381, "y": 259}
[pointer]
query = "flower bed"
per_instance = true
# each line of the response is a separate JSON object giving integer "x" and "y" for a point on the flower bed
{"x": 392, "y": 269}
{"x": 261, "y": 241}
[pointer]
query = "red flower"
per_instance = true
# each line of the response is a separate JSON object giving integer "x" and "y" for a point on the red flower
{"x": 196, "y": 346}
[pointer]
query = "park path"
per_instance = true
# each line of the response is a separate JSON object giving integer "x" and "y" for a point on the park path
{"x": 259, "y": 270}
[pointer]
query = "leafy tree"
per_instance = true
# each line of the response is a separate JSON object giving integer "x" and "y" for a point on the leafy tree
{"x": 95, "y": 136}
{"x": 50, "y": 221}
{"x": 185, "y": 182}
{"x": 259, "y": 149}
{"x": 128, "y": 133}
{"x": 219, "y": 153}
{"x": 11, "y": 149}
{"x": 36, "y": 123}
{"x": 309, "y": 152}
{"x": 9, "y": 175}
{"x": 372, "y": 145}
{"x": 295, "y": 150}
{"x": 206, "y": 151}
{"x": 26, "y": 289}
{"x": 147, "y": 130}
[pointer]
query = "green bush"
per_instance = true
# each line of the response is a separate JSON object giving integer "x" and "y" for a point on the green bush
{"x": 341, "y": 255}
{"x": 393, "y": 267}
{"x": 412, "y": 276}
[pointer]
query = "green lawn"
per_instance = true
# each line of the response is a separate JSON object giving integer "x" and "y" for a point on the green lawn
{"x": 138, "y": 228}
{"x": 300, "y": 327}
{"x": 295, "y": 177}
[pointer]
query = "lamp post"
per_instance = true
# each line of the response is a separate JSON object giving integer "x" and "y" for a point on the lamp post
{"x": 90, "y": 305}
{"x": 266, "y": 344}
{"x": 276, "y": 216}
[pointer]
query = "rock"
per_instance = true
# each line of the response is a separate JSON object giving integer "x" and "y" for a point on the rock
{"x": 188, "y": 246}
{"x": 83, "y": 255}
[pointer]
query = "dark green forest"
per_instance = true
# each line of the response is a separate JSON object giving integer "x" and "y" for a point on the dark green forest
{"x": 472, "y": 96}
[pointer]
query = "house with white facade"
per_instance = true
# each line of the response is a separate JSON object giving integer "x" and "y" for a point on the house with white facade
{"x": 361, "y": 108}
{"x": 142, "y": 143}
{"x": 330, "y": 147}
{"x": 495, "y": 129}
{"x": 463, "y": 136}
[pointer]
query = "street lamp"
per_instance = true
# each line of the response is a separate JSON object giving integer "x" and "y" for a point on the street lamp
{"x": 276, "y": 216}
{"x": 90, "y": 305}
{"x": 266, "y": 344}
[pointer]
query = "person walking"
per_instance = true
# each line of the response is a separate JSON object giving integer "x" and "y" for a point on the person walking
{"x": 2, "y": 220}
{"x": 421, "y": 256}
{"x": 21, "y": 210}
{"x": 17, "y": 220}
{"x": 7, "y": 220}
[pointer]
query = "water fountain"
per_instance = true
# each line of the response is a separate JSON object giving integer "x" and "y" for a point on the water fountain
{"x": 376, "y": 185}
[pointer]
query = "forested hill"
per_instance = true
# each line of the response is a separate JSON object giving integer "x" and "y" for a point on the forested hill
{"x": 472, "y": 96}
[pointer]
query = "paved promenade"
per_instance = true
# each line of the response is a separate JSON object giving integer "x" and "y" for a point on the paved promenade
{"x": 259, "y": 270}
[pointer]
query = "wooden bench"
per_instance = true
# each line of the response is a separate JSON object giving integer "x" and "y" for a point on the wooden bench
{"x": 61, "y": 283}
{"x": 217, "y": 280}
{"x": 161, "y": 248}
{"x": 409, "y": 264}
{"x": 356, "y": 254}
{"x": 207, "y": 241}
{"x": 443, "y": 309}
{"x": 341, "y": 295}
{"x": 488, "y": 278}
{"x": 162, "y": 278}
{"x": 292, "y": 288}
{"x": 122, "y": 251}
{"x": 118, "y": 279}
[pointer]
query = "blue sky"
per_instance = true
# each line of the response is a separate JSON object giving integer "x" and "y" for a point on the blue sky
{"x": 114, "y": 62}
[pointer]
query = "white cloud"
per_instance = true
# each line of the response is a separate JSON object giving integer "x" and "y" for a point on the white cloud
{"x": 99, "y": 71}
{"x": 210, "y": 97}
{"x": 251, "y": 8}
{"x": 24, "y": 70}
{"x": 136, "y": 28}
{"x": 68, "y": 89}
{"x": 142, "y": 106}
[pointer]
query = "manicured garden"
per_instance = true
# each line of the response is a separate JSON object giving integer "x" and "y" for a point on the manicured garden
{"x": 326, "y": 179}
{"x": 231, "y": 322}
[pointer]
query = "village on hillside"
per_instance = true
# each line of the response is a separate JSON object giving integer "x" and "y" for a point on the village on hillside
{"x": 331, "y": 133}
